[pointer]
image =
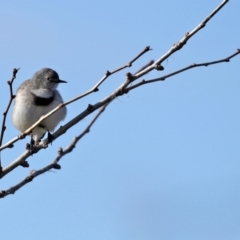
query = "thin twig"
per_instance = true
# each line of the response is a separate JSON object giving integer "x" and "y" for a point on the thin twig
{"x": 77, "y": 138}
{"x": 54, "y": 165}
{"x": 146, "y": 49}
{"x": 10, "y": 82}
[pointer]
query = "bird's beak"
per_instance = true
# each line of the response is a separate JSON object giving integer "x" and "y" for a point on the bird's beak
{"x": 61, "y": 81}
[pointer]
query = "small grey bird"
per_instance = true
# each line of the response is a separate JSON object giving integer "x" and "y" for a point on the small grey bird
{"x": 36, "y": 97}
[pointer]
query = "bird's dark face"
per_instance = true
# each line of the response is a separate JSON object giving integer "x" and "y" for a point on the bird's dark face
{"x": 47, "y": 78}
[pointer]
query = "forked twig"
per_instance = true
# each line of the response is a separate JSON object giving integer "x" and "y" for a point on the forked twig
{"x": 54, "y": 165}
{"x": 194, "y": 65}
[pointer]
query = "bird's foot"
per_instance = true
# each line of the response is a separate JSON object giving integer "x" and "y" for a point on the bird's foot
{"x": 32, "y": 146}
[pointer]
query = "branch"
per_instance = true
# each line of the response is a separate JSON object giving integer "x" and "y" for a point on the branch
{"x": 54, "y": 165}
{"x": 182, "y": 42}
{"x": 194, "y": 65}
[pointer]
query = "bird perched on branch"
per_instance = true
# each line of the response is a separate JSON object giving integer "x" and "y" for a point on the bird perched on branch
{"x": 36, "y": 97}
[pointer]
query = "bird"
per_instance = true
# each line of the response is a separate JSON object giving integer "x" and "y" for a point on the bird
{"x": 36, "y": 97}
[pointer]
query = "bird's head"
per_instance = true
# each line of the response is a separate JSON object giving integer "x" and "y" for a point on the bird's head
{"x": 46, "y": 78}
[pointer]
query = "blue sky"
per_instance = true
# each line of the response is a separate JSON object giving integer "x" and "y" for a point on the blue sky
{"x": 162, "y": 162}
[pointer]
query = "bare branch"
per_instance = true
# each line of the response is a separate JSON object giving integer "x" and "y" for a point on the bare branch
{"x": 182, "y": 42}
{"x": 76, "y": 139}
{"x": 146, "y": 49}
{"x": 194, "y": 65}
{"x": 15, "y": 70}
{"x": 54, "y": 165}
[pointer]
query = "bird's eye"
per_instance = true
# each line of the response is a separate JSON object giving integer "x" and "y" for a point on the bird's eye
{"x": 48, "y": 78}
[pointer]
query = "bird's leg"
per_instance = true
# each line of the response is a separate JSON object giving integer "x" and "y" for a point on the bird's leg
{"x": 32, "y": 142}
{"x": 50, "y": 137}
